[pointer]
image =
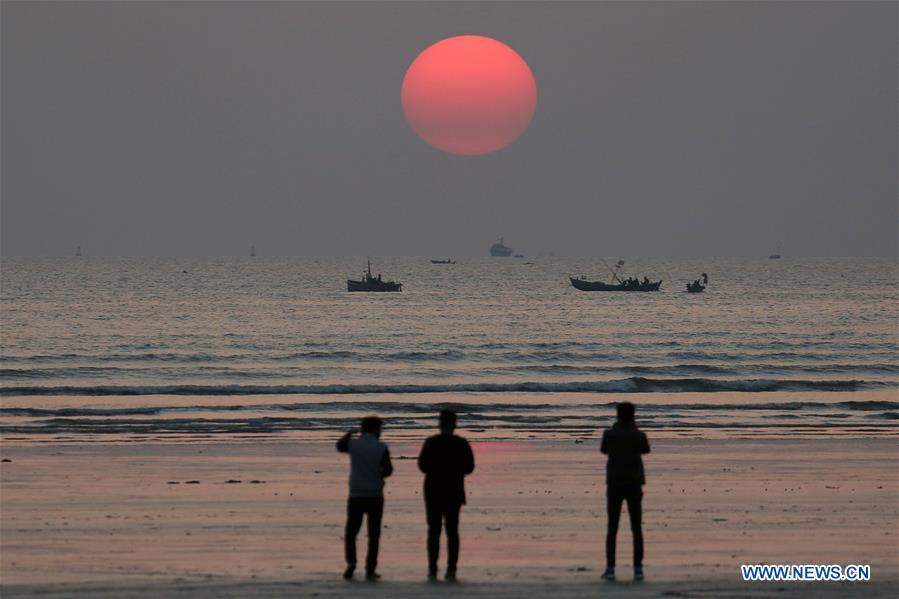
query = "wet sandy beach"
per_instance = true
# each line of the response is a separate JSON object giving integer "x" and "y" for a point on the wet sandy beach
{"x": 250, "y": 516}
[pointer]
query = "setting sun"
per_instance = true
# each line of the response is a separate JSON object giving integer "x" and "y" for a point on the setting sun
{"x": 469, "y": 95}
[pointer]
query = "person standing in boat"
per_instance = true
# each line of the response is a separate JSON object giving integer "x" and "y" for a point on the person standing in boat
{"x": 624, "y": 443}
{"x": 369, "y": 466}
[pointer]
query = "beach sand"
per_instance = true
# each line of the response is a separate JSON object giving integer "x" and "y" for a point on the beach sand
{"x": 118, "y": 519}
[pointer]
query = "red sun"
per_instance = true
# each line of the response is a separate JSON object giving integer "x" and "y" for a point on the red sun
{"x": 469, "y": 95}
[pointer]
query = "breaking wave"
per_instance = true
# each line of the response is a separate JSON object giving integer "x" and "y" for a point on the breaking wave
{"x": 646, "y": 409}
{"x": 627, "y": 385}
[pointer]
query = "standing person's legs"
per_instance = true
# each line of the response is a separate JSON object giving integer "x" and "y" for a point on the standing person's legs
{"x": 635, "y": 511}
{"x": 451, "y": 513}
{"x": 434, "y": 516}
{"x": 614, "y": 500}
{"x": 375, "y": 510}
{"x": 354, "y": 511}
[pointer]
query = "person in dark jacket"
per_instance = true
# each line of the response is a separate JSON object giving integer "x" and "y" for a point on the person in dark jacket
{"x": 624, "y": 443}
{"x": 369, "y": 466}
{"x": 445, "y": 459}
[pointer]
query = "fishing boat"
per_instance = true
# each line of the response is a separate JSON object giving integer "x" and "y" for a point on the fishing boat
{"x": 625, "y": 285}
{"x": 774, "y": 257}
{"x": 697, "y": 286}
{"x": 447, "y": 261}
{"x": 620, "y": 284}
{"x": 500, "y": 249}
{"x": 372, "y": 283}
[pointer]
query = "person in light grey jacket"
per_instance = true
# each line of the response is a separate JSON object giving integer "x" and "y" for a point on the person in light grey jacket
{"x": 369, "y": 466}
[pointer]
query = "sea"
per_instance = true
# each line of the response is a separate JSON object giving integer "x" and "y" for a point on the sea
{"x": 243, "y": 348}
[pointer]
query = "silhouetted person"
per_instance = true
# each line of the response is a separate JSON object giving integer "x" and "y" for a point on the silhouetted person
{"x": 369, "y": 466}
{"x": 624, "y": 444}
{"x": 445, "y": 459}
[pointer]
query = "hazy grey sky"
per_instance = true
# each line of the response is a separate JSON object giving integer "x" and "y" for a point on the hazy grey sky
{"x": 671, "y": 128}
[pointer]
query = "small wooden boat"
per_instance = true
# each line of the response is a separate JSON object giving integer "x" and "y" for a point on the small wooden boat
{"x": 697, "y": 286}
{"x": 372, "y": 283}
{"x": 626, "y": 285}
{"x": 620, "y": 284}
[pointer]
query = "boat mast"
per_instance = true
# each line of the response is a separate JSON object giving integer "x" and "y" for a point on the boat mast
{"x": 612, "y": 270}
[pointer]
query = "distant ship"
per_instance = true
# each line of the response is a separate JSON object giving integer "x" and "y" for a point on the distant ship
{"x": 447, "y": 261}
{"x": 500, "y": 249}
{"x": 252, "y": 251}
{"x": 371, "y": 283}
{"x": 78, "y": 251}
{"x": 774, "y": 256}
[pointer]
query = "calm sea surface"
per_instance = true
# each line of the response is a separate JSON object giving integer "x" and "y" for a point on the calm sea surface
{"x": 142, "y": 348}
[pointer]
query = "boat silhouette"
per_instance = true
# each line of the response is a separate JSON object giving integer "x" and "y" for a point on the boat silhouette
{"x": 626, "y": 285}
{"x": 697, "y": 286}
{"x": 500, "y": 249}
{"x": 372, "y": 283}
{"x": 620, "y": 284}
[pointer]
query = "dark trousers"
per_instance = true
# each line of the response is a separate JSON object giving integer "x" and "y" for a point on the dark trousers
{"x": 438, "y": 513}
{"x": 615, "y": 496}
{"x": 356, "y": 507}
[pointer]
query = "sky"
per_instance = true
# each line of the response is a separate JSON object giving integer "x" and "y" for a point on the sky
{"x": 661, "y": 129}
